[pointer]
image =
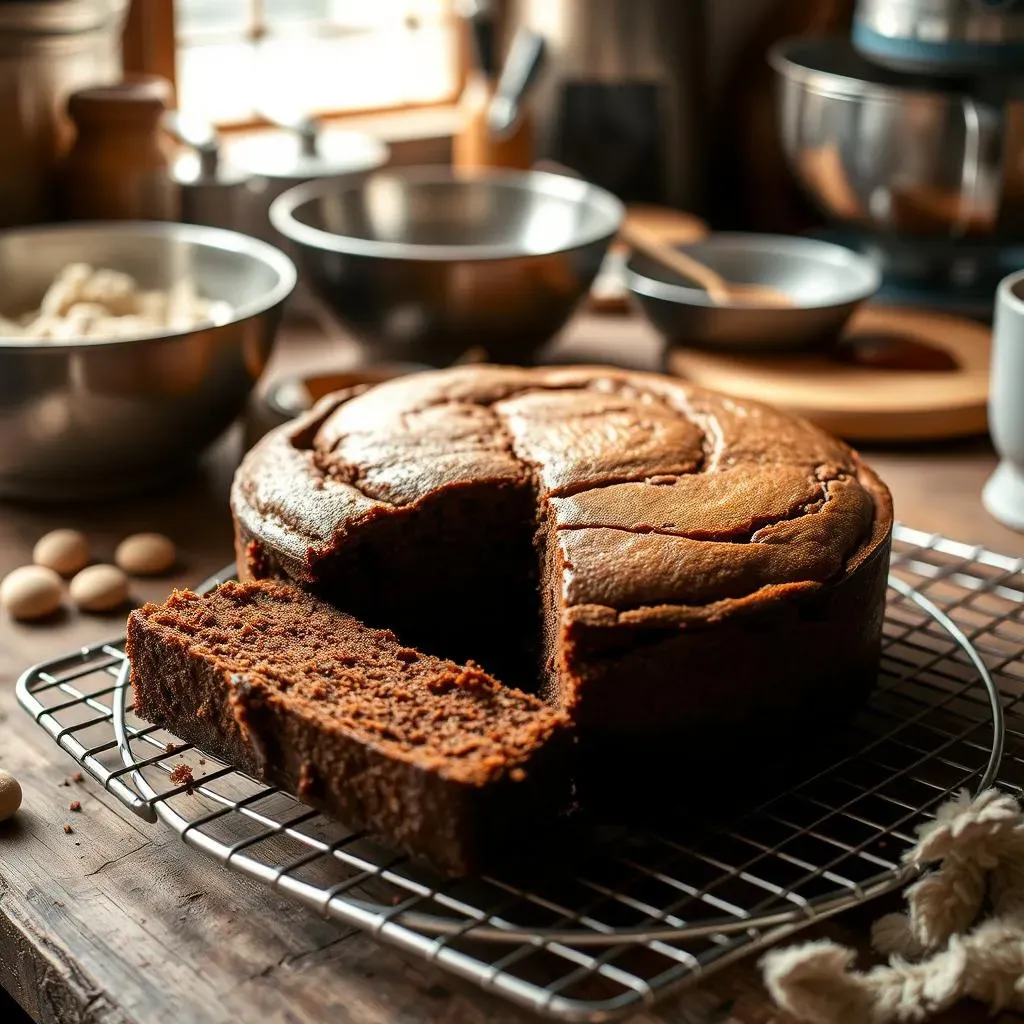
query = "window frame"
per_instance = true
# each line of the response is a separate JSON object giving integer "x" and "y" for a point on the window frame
{"x": 150, "y": 47}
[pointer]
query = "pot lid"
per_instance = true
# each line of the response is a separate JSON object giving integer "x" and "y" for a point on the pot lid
{"x": 190, "y": 170}
{"x": 282, "y": 154}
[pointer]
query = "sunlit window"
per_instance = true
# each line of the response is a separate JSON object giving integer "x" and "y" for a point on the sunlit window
{"x": 238, "y": 59}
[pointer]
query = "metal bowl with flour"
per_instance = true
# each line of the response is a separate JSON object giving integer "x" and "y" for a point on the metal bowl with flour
{"x": 91, "y": 417}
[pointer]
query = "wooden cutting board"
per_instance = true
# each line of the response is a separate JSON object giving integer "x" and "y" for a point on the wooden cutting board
{"x": 901, "y": 374}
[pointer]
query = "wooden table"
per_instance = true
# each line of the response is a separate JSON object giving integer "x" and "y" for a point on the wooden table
{"x": 119, "y": 922}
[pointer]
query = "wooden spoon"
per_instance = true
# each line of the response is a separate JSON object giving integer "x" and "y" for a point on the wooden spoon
{"x": 720, "y": 291}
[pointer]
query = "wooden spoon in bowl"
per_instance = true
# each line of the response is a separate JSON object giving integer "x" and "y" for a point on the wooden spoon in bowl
{"x": 720, "y": 291}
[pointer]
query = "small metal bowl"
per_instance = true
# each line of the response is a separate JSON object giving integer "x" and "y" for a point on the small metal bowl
{"x": 826, "y": 282}
{"x": 90, "y": 418}
{"x": 422, "y": 264}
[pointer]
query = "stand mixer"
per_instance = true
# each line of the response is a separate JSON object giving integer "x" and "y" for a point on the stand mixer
{"x": 921, "y": 169}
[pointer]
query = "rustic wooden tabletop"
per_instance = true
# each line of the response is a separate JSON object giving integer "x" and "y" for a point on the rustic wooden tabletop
{"x": 119, "y": 922}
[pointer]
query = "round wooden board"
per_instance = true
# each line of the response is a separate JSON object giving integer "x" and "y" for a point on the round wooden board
{"x": 608, "y": 293}
{"x": 862, "y": 402}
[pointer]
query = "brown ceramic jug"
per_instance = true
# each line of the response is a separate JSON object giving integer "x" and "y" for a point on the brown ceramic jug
{"x": 120, "y": 164}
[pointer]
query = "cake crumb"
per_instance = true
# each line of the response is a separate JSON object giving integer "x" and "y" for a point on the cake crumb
{"x": 172, "y": 748}
{"x": 202, "y": 760}
{"x": 63, "y": 782}
{"x": 181, "y": 775}
{"x": 442, "y": 683}
{"x": 473, "y": 678}
{"x": 68, "y": 829}
{"x": 75, "y": 805}
{"x": 77, "y": 777}
{"x": 517, "y": 775}
{"x": 257, "y": 561}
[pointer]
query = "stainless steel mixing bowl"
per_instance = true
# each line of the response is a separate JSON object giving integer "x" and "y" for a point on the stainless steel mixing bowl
{"x": 89, "y": 418}
{"x": 825, "y": 281}
{"x": 421, "y": 264}
{"x": 941, "y": 36}
{"x": 881, "y": 150}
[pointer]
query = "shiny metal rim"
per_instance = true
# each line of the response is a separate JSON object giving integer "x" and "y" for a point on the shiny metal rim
{"x": 827, "y": 252}
{"x": 283, "y": 208}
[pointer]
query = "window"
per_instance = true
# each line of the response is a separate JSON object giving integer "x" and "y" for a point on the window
{"x": 239, "y": 59}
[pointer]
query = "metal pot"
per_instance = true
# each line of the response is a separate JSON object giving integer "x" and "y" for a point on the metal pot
{"x": 941, "y": 36}
{"x": 278, "y": 159}
{"x": 881, "y": 151}
{"x": 47, "y": 51}
{"x": 293, "y": 154}
{"x": 213, "y": 192}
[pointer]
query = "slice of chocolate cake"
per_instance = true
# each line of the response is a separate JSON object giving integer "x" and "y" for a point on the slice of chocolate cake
{"x": 431, "y": 757}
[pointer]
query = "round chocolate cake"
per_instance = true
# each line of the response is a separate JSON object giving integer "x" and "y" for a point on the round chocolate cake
{"x": 666, "y": 564}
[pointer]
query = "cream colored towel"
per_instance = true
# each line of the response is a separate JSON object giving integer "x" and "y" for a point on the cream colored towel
{"x": 944, "y": 947}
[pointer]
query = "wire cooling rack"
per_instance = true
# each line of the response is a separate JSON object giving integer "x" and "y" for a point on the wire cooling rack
{"x": 634, "y": 913}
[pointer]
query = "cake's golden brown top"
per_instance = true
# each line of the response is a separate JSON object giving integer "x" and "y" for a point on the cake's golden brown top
{"x": 665, "y": 497}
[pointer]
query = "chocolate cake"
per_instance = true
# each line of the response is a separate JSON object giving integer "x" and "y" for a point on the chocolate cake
{"x": 668, "y": 565}
{"x": 432, "y": 757}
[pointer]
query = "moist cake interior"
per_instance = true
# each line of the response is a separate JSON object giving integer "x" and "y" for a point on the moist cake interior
{"x": 433, "y": 757}
{"x": 458, "y": 579}
{"x": 336, "y": 669}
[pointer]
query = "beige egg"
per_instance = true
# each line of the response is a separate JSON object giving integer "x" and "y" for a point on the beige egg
{"x": 145, "y": 554}
{"x": 10, "y": 795}
{"x": 99, "y": 588}
{"x": 31, "y": 592}
{"x": 63, "y": 551}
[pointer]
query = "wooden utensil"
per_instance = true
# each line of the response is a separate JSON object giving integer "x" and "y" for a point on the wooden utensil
{"x": 720, "y": 291}
{"x": 674, "y": 227}
{"x": 910, "y": 397}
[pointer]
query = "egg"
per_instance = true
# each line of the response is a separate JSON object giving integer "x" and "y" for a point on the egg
{"x": 145, "y": 554}
{"x": 10, "y": 795}
{"x": 31, "y": 592}
{"x": 99, "y": 588}
{"x": 63, "y": 551}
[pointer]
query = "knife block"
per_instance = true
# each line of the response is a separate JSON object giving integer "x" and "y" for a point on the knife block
{"x": 474, "y": 146}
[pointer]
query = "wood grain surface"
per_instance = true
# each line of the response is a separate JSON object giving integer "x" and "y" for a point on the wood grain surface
{"x": 868, "y": 401}
{"x": 118, "y": 922}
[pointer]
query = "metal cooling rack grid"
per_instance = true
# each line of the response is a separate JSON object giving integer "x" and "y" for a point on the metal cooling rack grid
{"x": 646, "y": 912}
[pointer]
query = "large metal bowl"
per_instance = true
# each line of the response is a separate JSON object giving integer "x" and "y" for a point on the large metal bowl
{"x": 421, "y": 264}
{"x": 881, "y": 150}
{"x": 826, "y": 283}
{"x": 90, "y": 418}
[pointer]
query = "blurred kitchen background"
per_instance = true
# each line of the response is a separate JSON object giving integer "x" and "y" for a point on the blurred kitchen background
{"x": 807, "y": 202}
{"x": 690, "y": 77}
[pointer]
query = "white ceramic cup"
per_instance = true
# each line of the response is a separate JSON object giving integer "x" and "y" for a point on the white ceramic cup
{"x": 1003, "y": 495}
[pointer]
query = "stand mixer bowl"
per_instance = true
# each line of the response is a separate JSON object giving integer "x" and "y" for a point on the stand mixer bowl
{"x": 941, "y": 36}
{"x": 891, "y": 153}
